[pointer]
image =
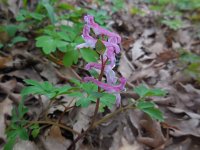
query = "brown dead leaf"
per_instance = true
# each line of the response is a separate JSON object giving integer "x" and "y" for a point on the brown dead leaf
{"x": 54, "y": 139}
{"x": 127, "y": 146}
{"x": 55, "y": 132}
{"x": 166, "y": 56}
{"x": 157, "y": 48}
{"x": 82, "y": 118}
{"x": 125, "y": 67}
{"x": 5, "y": 62}
{"x": 25, "y": 145}
{"x": 155, "y": 136}
{"x": 5, "y": 108}
{"x": 126, "y": 43}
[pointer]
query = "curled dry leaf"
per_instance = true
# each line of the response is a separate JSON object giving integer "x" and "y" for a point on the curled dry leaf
{"x": 54, "y": 139}
{"x": 156, "y": 138}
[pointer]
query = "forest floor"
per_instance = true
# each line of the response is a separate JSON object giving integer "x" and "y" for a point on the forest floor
{"x": 161, "y": 54}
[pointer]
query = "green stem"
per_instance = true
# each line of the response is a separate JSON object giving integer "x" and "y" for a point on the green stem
{"x": 96, "y": 108}
{"x": 104, "y": 119}
{"x": 53, "y": 123}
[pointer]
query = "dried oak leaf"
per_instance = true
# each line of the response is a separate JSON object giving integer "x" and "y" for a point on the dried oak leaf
{"x": 155, "y": 137}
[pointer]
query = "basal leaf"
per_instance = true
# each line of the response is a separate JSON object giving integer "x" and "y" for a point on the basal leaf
{"x": 50, "y": 11}
{"x": 37, "y": 16}
{"x": 18, "y": 39}
{"x": 47, "y": 43}
{"x": 70, "y": 57}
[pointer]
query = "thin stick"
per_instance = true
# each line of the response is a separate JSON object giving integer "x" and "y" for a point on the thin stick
{"x": 53, "y": 123}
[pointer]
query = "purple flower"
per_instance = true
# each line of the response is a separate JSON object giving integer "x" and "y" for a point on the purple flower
{"x": 89, "y": 40}
{"x": 112, "y": 37}
{"x": 112, "y": 48}
{"x": 107, "y": 87}
{"x": 115, "y": 89}
{"x": 110, "y": 74}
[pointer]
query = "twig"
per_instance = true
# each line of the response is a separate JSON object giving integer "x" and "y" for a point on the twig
{"x": 111, "y": 115}
{"x": 53, "y": 123}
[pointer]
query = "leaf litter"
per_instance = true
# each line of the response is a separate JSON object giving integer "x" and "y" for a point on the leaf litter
{"x": 151, "y": 57}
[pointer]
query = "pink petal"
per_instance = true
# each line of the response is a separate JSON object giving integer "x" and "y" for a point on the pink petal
{"x": 107, "y": 87}
{"x": 115, "y": 38}
{"x": 118, "y": 99}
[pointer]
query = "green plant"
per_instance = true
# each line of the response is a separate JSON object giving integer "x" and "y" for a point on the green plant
{"x": 149, "y": 107}
{"x": 192, "y": 64}
{"x": 172, "y": 12}
{"x": 102, "y": 87}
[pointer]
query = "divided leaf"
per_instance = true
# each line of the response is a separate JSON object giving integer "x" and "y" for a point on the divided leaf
{"x": 44, "y": 88}
{"x": 150, "y": 109}
{"x": 143, "y": 91}
{"x": 89, "y": 55}
{"x": 70, "y": 57}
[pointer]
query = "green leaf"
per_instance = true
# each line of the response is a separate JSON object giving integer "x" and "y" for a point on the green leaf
{"x": 76, "y": 94}
{"x": 10, "y": 143}
{"x": 154, "y": 113}
{"x": 150, "y": 109}
{"x": 31, "y": 90}
{"x": 44, "y": 88}
{"x": 47, "y": 43}
{"x": 108, "y": 100}
{"x": 23, "y": 134}
{"x": 50, "y": 11}
{"x": 11, "y": 29}
{"x": 190, "y": 57}
{"x": 143, "y": 91}
{"x": 89, "y": 55}
{"x": 89, "y": 87}
{"x": 100, "y": 47}
{"x": 37, "y": 16}
{"x": 64, "y": 36}
{"x": 22, "y": 110}
{"x": 32, "y": 82}
{"x": 1, "y": 45}
{"x": 76, "y": 82}
{"x": 21, "y": 16}
{"x": 94, "y": 73}
{"x": 173, "y": 24}
{"x": 70, "y": 57}
{"x": 63, "y": 90}
{"x": 35, "y": 130}
{"x": 18, "y": 39}
{"x": 143, "y": 104}
{"x": 84, "y": 101}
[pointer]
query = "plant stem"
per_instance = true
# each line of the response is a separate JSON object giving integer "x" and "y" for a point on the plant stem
{"x": 103, "y": 64}
{"x": 53, "y": 123}
{"x": 104, "y": 119}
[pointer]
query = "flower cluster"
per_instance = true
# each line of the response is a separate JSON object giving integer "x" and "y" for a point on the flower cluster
{"x": 112, "y": 49}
